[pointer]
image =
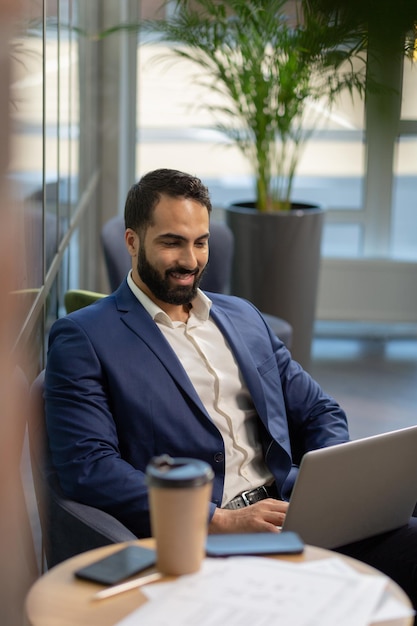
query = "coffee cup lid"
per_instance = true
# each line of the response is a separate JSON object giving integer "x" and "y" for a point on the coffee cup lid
{"x": 165, "y": 471}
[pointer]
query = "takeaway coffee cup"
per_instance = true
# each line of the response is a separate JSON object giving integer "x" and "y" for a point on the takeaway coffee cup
{"x": 179, "y": 496}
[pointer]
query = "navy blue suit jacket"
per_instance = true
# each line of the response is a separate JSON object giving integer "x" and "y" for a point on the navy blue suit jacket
{"x": 116, "y": 395}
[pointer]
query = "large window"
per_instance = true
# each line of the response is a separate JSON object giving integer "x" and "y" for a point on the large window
{"x": 174, "y": 131}
{"x": 48, "y": 141}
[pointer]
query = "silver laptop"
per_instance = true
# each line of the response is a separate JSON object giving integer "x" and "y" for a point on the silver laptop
{"x": 354, "y": 490}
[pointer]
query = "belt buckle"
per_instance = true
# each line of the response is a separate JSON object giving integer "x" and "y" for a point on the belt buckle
{"x": 243, "y": 495}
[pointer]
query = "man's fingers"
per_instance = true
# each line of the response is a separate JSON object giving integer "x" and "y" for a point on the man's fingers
{"x": 270, "y": 512}
{"x": 264, "y": 516}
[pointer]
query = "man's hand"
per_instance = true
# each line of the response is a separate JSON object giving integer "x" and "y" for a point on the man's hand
{"x": 264, "y": 516}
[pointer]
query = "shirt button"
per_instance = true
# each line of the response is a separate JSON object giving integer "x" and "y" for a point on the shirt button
{"x": 219, "y": 457}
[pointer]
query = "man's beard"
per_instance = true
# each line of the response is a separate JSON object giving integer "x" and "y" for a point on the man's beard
{"x": 160, "y": 285}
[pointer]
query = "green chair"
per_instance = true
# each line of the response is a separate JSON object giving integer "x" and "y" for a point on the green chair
{"x": 75, "y": 299}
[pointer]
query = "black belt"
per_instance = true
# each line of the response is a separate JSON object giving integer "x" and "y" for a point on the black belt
{"x": 246, "y": 498}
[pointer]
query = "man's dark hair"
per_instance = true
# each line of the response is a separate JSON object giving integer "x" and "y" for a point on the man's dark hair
{"x": 144, "y": 195}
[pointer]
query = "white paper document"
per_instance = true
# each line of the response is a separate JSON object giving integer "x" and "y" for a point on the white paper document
{"x": 256, "y": 591}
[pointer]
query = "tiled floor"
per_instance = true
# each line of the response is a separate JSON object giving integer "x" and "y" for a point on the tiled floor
{"x": 374, "y": 380}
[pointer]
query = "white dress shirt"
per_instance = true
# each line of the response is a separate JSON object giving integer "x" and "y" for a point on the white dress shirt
{"x": 214, "y": 373}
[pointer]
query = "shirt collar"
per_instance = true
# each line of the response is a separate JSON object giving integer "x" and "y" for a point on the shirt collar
{"x": 201, "y": 304}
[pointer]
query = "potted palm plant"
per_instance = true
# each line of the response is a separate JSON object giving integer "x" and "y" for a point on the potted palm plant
{"x": 266, "y": 68}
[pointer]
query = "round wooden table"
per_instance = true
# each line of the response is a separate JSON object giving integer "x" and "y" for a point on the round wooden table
{"x": 59, "y": 599}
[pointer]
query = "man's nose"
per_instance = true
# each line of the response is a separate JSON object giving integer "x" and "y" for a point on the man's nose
{"x": 188, "y": 258}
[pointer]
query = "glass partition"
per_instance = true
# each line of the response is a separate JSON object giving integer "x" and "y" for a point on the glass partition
{"x": 46, "y": 155}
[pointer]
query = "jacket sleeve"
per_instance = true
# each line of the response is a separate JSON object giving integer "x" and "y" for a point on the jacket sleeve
{"x": 82, "y": 432}
{"x": 315, "y": 418}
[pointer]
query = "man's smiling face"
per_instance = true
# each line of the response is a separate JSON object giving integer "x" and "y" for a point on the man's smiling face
{"x": 173, "y": 252}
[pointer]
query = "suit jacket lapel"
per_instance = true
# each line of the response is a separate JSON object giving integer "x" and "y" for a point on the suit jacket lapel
{"x": 253, "y": 379}
{"x": 138, "y": 320}
{"x": 243, "y": 357}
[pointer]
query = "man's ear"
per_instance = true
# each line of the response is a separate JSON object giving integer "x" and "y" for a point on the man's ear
{"x": 132, "y": 242}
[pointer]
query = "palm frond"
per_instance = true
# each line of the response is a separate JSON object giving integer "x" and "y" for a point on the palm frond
{"x": 267, "y": 67}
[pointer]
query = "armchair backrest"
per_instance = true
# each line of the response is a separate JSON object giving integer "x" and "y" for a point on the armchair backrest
{"x": 75, "y": 299}
{"x": 116, "y": 256}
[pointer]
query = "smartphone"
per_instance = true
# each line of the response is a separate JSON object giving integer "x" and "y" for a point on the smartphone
{"x": 286, "y": 542}
{"x": 116, "y": 567}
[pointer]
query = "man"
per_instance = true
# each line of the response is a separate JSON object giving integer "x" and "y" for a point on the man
{"x": 160, "y": 367}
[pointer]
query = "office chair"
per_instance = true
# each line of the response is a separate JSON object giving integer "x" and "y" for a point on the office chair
{"x": 68, "y": 527}
{"x": 75, "y": 299}
{"x": 216, "y": 277}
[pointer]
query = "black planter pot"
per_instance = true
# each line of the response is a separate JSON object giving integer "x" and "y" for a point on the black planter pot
{"x": 276, "y": 265}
